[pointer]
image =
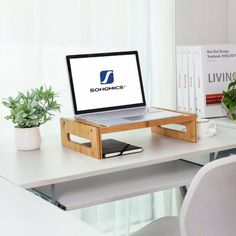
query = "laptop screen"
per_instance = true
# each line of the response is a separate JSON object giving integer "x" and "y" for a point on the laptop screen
{"x": 105, "y": 81}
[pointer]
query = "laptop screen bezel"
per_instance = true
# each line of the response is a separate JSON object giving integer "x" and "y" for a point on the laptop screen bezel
{"x": 78, "y": 112}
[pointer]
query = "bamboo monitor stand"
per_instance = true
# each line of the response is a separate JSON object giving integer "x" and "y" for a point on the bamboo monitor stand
{"x": 93, "y": 132}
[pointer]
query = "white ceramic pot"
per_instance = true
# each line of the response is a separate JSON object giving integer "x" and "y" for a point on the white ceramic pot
{"x": 27, "y": 139}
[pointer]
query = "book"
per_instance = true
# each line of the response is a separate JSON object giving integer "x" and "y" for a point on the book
{"x": 199, "y": 88}
{"x": 112, "y": 148}
{"x": 182, "y": 75}
{"x": 179, "y": 81}
{"x": 191, "y": 81}
{"x": 185, "y": 79}
{"x": 214, "y": 68}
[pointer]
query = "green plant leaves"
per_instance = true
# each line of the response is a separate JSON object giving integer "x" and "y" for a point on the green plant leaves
{"x": 229, "y": 98}
{"x": 232, "y": 85}
{"x": 33, "y": 108}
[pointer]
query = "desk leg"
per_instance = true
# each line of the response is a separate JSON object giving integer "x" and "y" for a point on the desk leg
{"x": 212, "y": 156}
{"x": 53, "y": 197}
{"x": 183, "y": 191}
{"x": 52, "y": 190}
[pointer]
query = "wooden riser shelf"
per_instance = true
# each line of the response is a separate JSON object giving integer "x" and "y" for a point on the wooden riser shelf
{"x": 94, "y": 132}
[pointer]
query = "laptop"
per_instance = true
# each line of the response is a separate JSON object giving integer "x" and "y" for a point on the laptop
{"x": 107, "y": 89}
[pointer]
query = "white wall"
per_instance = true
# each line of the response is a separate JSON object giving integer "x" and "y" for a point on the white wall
{"x": 36, "y": 35}
{"x": 232, "y": 21}
{"x": 202, "y": 21}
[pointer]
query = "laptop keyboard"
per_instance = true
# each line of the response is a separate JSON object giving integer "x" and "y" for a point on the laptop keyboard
{"x": 122, "y": 113}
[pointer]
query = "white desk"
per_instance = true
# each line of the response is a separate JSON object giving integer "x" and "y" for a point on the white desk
{"x": 225, "y": 122}
{"x": 126, "y": 176}
{"x": 53, "y": 164}
{"x": 23, "y": 214}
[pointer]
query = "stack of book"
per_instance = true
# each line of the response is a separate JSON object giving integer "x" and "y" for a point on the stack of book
{"x": 203, "y": 72}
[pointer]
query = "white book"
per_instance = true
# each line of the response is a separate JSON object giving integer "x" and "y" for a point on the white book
{"x": 214, "y": 67}
{"x": 179, "y": 79}
{"x": 185, "y": 81}
{"x": 198, "y": 74}
{"x": 191, "y": 81}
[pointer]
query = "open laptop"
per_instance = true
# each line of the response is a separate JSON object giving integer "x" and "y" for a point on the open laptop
{"x": 107, "y": 89}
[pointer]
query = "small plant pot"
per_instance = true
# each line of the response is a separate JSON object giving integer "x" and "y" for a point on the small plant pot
{"x": 27, "y": 139}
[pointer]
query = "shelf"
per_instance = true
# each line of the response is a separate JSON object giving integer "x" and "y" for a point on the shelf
{"x": 93, "y": 132}
{"x": 123, "y": 184}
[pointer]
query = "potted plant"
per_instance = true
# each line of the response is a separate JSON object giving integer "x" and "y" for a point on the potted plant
{"x": 28, "y": 111}
{"x": 229, "y": 100}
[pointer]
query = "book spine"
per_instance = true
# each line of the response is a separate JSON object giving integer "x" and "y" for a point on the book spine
{"x": 179, "y": 78}
{"x": 185, "y": 96}
{"x": 199, "y": 81}
{"x": 191, "y": 76}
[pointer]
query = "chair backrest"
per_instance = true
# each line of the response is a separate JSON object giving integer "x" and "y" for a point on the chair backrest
{"x": 209, "y": 208}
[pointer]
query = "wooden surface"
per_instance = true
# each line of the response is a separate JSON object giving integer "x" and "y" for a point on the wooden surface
{"x": 191, "y": 129}
{"x": 124, "y": 184}
{"x": 24, "y": 214}
{"x": 87, "y": 131}
{"x": 93, "y": 132}
{"x": 54, "y": 164}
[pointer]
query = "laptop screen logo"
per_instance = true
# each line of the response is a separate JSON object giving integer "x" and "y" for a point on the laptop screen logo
{"x": 106, "y": 77}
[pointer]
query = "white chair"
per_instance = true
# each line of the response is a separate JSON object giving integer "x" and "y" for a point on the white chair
{"x": 209, "y": 208}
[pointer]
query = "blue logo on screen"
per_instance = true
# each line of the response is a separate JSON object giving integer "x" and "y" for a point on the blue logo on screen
{"x": 106, "y": 77}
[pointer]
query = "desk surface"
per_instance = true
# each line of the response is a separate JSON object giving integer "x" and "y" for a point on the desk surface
{"x": 23, "y": 213}
{"x": 53, "y": 164}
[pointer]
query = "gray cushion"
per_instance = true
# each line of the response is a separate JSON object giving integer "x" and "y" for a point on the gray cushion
{"x": 166, "y": 226}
